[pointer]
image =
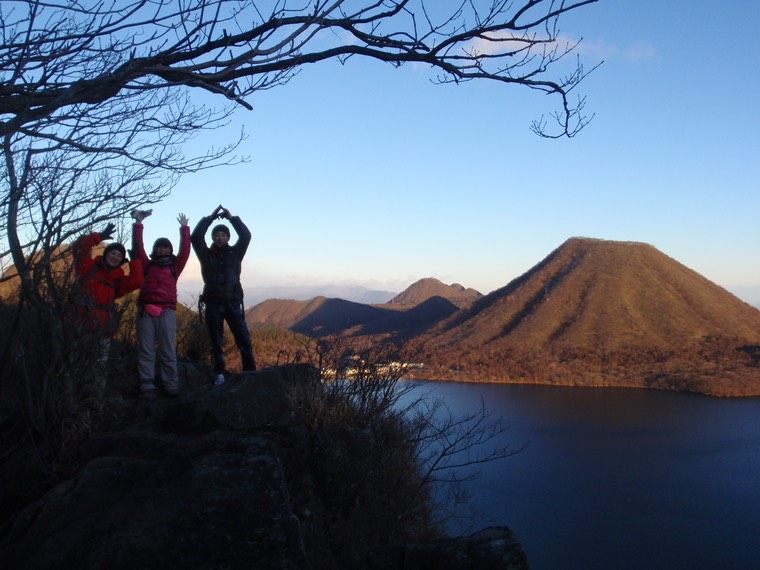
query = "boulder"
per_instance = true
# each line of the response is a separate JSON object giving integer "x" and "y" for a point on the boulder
{"x": 247, "y": 402}
{"x": 158, "y": 502}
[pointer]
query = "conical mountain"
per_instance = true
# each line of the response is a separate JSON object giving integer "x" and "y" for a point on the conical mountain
{"x": 600, "y": 305}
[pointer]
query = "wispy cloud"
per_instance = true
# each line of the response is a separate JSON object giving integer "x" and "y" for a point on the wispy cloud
{"x": 640, "y": 51}
{"x": 594, "y": 49}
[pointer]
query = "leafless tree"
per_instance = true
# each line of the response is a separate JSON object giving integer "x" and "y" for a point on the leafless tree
{"x": 429, "y": 451}
{"x": 95, "y": 83}
{"x": 91, "y": 164}
{"x": 59, "y": 54}
{"x": 98, "y": 98}
{"x": 451, "y": 448}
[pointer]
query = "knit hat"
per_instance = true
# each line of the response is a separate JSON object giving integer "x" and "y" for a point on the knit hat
{"x": 220, "y": 228}
{"x": 163, "y": 242}
{"x": 115, "y": 246}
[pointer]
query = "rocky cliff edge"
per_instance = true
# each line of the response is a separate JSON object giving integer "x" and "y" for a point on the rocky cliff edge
{"x": 212, "y": 480}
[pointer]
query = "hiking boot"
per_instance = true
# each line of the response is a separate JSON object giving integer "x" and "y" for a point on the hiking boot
{"x": 219, "y": 380}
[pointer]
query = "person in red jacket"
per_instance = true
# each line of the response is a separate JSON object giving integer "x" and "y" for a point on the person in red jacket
{"x": 100, "y": 281}
{"x": 157, "y": 304}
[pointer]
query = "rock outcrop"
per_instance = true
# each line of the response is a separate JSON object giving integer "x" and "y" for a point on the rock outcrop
{"x": 200, "y": 482}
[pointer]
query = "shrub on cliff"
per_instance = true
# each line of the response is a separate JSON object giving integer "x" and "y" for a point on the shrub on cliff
{"x": 385, "y": 459}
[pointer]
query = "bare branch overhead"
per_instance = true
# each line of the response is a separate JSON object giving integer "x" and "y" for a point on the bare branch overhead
{"x": 56, "y": 55}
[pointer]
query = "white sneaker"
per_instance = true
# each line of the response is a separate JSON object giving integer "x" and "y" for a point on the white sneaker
{"x": 219, "y": 380}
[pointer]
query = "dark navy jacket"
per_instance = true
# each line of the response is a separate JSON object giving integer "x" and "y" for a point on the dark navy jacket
{"x": 221, "y": 267}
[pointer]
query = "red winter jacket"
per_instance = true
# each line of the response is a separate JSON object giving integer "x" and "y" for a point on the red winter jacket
{"x": 100, "y": 285}
{"x": 160, "y": 284}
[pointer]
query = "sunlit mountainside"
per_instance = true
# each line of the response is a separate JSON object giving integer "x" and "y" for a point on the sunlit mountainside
{"x": 593, "y": 312}
{"x": 605, "y": 313}
{"x": 604, "y": 294}
{"x": 421, "y": 305}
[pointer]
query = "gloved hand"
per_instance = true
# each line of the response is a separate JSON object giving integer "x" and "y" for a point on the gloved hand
{"x": 107, "y": 232}
{"x": 139, "y": 215}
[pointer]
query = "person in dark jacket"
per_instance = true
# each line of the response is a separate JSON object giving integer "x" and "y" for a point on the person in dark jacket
{"x": 222, "y": 292}
{"x": 157, "y": 305}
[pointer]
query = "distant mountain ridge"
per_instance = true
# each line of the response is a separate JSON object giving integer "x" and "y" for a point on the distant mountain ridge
{"x": 355, "y": 293}
{"x": 319, "y": 316}
{"x": 428, "y": 287}
{"x": 422, "y": 304}
{"x": 592, "y": 313}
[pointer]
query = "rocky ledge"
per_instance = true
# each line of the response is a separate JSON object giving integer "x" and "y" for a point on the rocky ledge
{"x": 199, "y": 482}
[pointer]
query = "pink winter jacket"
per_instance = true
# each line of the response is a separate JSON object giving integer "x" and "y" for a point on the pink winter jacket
{"x": 160, "y": 284}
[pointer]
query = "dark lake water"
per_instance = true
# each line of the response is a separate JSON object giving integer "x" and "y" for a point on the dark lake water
{"x": 618, "y": 478}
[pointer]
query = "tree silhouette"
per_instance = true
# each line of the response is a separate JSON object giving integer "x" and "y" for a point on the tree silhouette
{"x": 97, "y": 99}
{"x": 58, "y": 55}
{"x": 100, "y": 96}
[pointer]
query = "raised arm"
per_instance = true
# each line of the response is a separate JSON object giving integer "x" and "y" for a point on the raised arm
{"x": 82, "y": 247}
{"x": 198, "y": 237}
{"x": 184, "y": 243}
{"x": 244, "y": 235}
{"x": 138, "y": 247}
{"x": 133, "y": 281}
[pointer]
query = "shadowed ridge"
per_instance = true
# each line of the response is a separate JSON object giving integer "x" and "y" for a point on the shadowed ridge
{"x": 421, "y": 305}
{"x": 411, "y": 321}
{"x": 318, "y": 316}
{"x": 484, "y": 302}
{"x": 281, "y": 313}
{"x": 331, "y": 316}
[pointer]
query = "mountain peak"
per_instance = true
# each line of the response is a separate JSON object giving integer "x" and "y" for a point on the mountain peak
{"x": 429, "y": 287}
{"x": 610, "y": 294}
{"x": 619, "y": 309}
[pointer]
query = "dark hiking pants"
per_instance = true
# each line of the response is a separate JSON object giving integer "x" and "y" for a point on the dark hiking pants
{"x": 216, "y": 315}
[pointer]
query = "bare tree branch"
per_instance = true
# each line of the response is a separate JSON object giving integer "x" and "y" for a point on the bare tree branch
{"x": 99, "y": 98}
{"x": 60, "y": 55}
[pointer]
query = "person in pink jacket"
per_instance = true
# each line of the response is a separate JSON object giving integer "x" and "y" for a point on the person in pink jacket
{"x": 157, "y": 304}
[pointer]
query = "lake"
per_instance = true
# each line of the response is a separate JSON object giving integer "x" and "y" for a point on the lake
{"x": 619, "y": 478}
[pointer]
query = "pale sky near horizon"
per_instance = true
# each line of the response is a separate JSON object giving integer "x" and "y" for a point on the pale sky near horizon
{"x": 365, "y": 174}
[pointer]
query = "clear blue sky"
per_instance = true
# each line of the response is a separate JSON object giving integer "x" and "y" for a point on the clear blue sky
{"x": 372, "y": 175}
